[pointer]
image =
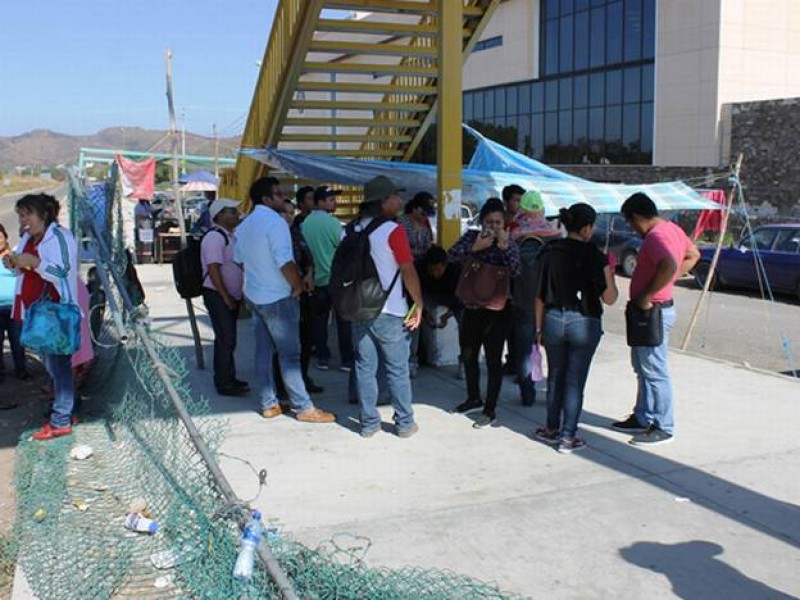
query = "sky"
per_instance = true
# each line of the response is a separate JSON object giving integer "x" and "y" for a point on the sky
{"x": 78, "y": 66}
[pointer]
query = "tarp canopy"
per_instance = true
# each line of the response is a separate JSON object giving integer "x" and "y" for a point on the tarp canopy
{"x": 493, "y": 166}
{"x": 198, "y": 181}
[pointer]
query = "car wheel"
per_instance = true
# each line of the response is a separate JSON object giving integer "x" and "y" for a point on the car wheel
{"x": 700, "y": 273}
{"x": 628, "y": 263}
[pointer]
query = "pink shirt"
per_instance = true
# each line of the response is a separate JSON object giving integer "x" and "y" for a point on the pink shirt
{"x": 214, "y": 250}
{"x": 663, "y": 241}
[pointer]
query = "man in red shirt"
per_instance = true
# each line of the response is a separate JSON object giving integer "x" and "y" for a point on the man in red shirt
{"x": 666, "y": 254}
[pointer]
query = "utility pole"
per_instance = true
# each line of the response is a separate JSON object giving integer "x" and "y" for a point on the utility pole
{"x": 216, "y": 150}
{"x": 183, "y": 141}
{"x": 173, "y": 131}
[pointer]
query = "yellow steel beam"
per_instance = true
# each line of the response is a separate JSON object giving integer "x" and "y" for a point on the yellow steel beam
{"x": 365, "y": 87}
{"x": 362, "y": 49}
{"x": 325, "y": 122}
{"x": 490, "y": 7}
{"x": 448, "y": 142}
{"x": 355, "y": 152}
{"x": 413, "y": 107}
{"x": 342, "y": 138}
{"x": 365, "y": 27}
{"x": 369, "y": 69}
{"x": 397, "y": 6}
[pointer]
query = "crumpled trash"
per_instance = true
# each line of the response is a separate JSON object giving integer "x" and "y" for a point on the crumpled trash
{"x": 81, "y": 452}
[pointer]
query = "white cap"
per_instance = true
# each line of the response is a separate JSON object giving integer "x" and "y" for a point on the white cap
{"x": 219, "y": 204}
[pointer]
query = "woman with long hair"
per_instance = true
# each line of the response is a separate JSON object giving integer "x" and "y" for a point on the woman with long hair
{"x": 486, "y": 327}
{"x": 572, "y": 279}
{"x": 47, "y": 266}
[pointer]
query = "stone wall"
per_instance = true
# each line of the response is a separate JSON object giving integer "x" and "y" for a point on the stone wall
{"x": 633, "y": 174}
{"x": 768, "y": 135}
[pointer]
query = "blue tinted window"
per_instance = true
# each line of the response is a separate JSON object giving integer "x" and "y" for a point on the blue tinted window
{"x": 596, "y": 128}
{"x": 647, "y": 127}
{"x": 525, "y": 98}
{"x": 631, "y": 125}
{"x": 597, "y": 54}
{"x": 500, "y": 101}
{"x": 524, "y": 135}
{"x": 633, "y": 30}
{"x": 478, "y": 115}
{"x": 649, "y": 29}
{"x": 613, "y": 124}
{"x": 565, "y": 61}
{"x": 597, "y": 89}
{"x": 488, "y": 105}
{"x": 537, "y": 135}
{"x": 550, "y": 8}
{"x": 468, "y": 106}
{"x": 537, "y": 97}
{"x": 511, "y": 100}
{"x": 581, "y": 5}
{"x": 565, "y": 128}
{"x": 632, "y": 90}
{"x": 580, "y": 127}
{"x": 614, "y": 33}
{"x": 565, "y": 93}
{"x": 614, "y": 87}
{"x": 648, "y": 83}
{"x": 550, "y": 129}
{"x": 580, "y": 94}
{"x": 598, "y": 2}
{"x": 551, "y": 47}
{"x": 551, "y": 95}
{"x": 566, "y": 7}
{"x": 581, "y": 41}
{"x": 492, "y": 42}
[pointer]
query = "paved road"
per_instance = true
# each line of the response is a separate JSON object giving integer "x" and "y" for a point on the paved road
{"x": 734, "y": 325}
{"x": 8, "y": 217}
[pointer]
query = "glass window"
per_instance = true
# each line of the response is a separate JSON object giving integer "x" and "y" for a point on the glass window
{"x": 648, "y": 83}
{"x": 632, "y": 90}
{"x": 524, "y": 135}
{"x": 566, "y": 7}
{"x": 631, "y": 123}
{"x": 788, "y": 240}
{"x": 565, "y": 127}
{"x": 614, "y": 33}
{"x": 537, "y": 97}
{"x": 524, "y": 99}
{"x": 581, "y": 41}
{"x": 580, "y": 127}
{"x": 511, "y": 136}
{"x": 613, "y": 124}
{"x": 478, "y": 114}
{"x": 551, "y": 95}
{"x": 633, "y": 30}
{"x": 537, "y": 135}
{"x": 597, "y": 89}
{"x": 468, "y": 106}
{"x": 761, "y": 239}
{"x": 596, "y": 129}
{"x": 488, "y": 106}
{"x": 597, "y": 55}
{"x": 550, "y": 135}
{"x": 649, "y": 29}
{"x": 580, "y": 93}
{"x": 551, "y": 9}
{"x": 614, "y": 87}
{"x": 551, "y": 47}
{"x": 647, "y": 128}
{"x": 581, "y": 5}
{"x": 500, "y": 101}
{"x": 598, "y": 2}
{"x": 565, "y": 60}
{"x": 565, "y": 93}
{"x": 511, "y": 100}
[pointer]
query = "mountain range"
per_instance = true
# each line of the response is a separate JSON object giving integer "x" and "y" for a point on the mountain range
{"x": 43, "y": 147}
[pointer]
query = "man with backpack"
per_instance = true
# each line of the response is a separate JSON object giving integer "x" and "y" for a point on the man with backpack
{"x": 373, "y": 255}
{"x": 272, "y": 288}
{"x": 222, "y": 292}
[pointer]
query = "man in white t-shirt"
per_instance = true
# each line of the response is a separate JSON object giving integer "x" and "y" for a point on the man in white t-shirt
{"x": 386, "y": 337}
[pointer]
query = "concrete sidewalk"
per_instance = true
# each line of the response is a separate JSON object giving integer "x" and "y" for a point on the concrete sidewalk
{"x": 713, "y": 515}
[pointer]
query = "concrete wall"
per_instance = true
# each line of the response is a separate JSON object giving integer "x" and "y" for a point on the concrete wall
{"x": 518, "y": 58}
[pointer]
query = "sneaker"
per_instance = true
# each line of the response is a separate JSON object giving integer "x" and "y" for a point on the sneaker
{"x": 547, "y": 436}
{"x": 48, "y": 432}
{"x": 570, "y": 445}
{"x": 323, "y": 365}
{"x": 313, "y": 388}
{"x": 316, "y": 415}
{"x": 346, "y": 368}
{"x": 407, "y": 433}
{"x": 271, "y": 413}
{"x": 368, "y": 433}
{"x": 484, "y": 420}
{"x": 629, "y": 425}
{"x": 470, "y": 406}
{"x": 241, "y": 384}
{"x": 231, "y": 390}
{"x": 652, "y": 437}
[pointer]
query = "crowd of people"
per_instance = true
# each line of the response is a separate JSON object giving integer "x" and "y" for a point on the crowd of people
{"x": 521, "y": 281}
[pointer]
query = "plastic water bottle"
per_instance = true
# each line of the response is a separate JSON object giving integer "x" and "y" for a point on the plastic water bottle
{"x": 251, "y": 538}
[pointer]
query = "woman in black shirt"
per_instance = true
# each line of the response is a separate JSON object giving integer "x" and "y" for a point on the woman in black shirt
{"x": 573, "y": 276}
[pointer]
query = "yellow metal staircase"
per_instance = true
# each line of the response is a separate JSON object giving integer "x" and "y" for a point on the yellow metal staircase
{"x": 351, "y": 78}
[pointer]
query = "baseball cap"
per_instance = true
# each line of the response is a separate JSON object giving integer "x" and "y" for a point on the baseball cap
{"x": 532, "y": 200}
{"x": 380, "y": 187}
{"x": 218, "y": 205}
{"x": 323, "y": 192}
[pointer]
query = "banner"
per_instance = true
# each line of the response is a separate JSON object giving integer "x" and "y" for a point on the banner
{"x": 138, "y": 178}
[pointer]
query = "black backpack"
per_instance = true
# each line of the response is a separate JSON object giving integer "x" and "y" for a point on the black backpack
{"x": 355, "y": 287}
{"x": 187, "y": 269}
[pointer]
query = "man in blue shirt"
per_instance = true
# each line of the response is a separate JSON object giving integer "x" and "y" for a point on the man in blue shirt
{"x": 272, "y": 288}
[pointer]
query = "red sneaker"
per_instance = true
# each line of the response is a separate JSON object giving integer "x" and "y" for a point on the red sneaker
{"x": 48, "y": 432}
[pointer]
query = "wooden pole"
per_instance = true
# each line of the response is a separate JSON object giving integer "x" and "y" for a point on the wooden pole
{"x": 173, "y": 130}
{"x": 726, "y": 213}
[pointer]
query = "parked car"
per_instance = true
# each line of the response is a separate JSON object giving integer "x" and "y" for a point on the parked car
{"x": 778, "y": 250}
{"x": 613, "y": 235}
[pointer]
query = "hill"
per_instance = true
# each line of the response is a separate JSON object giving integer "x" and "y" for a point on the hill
{"x": 46, "y": 148}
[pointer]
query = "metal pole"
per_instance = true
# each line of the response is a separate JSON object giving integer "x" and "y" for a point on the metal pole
{"x": 198, "y": 347}
{"x": 216, "y": 151}
{"x": 449, "y": 134}
{"x": 715, "y": 259}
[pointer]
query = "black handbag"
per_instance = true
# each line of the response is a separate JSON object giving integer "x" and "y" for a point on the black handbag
{"x": 644, "y": 327}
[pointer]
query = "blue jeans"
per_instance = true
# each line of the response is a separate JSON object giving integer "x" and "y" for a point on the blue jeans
{"x": 13, "y": 328}
{"x": 277, "y": 331}
{"x": 383, "y": 340}
{"x": 524, "y": 325}
{"x": 59, "y": 367}
{"x": 654, "y": 404}
{"x": 570, "y": 340}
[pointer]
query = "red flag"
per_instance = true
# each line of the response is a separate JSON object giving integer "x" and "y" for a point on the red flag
{"x": 138, "y": 178}
{"x": 710, "y": 220}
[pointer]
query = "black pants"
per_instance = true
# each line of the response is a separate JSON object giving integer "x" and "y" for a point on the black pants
{"x": 322, "y": 307}
{"x": 487, "y": 329}
{"x": 223, "y": 321}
